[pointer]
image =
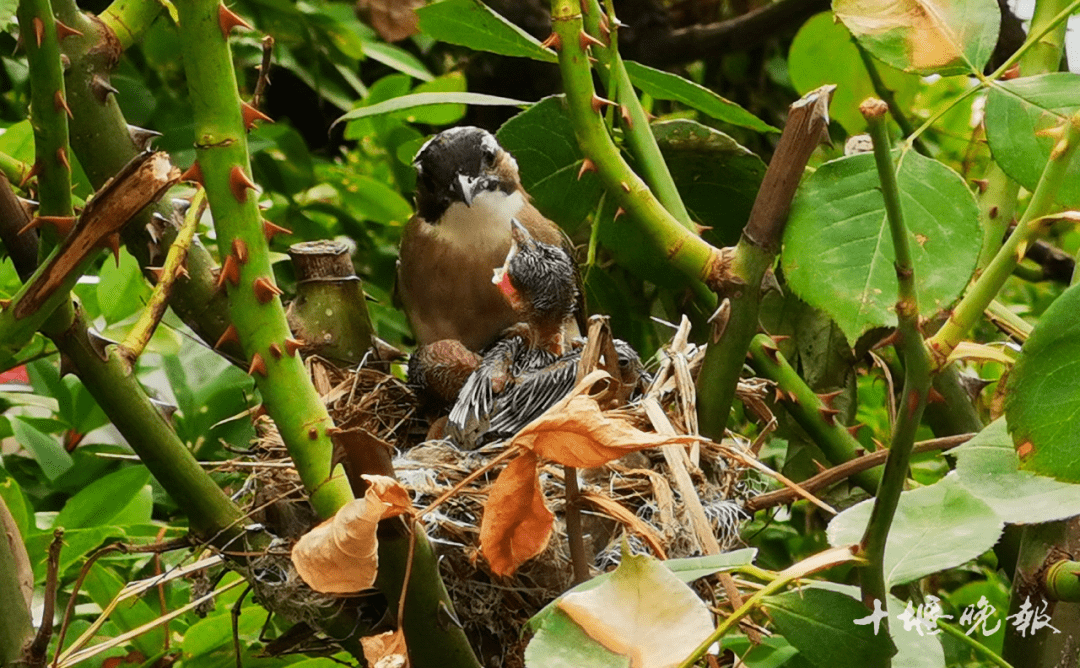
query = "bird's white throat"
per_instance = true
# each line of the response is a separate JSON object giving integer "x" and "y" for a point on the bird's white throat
{"x": 484, "y": 225}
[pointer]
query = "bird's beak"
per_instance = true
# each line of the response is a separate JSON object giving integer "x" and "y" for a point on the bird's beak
{"x": 518, "y": 236}
{"x": 468, "y": 186}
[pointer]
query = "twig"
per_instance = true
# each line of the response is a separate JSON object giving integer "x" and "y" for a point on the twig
{"x": 236, "y": 625}
{"x": 916, "y": 367}
{"x": 173, "y": 268}
{"x": 835, "y": 474}
{"x": 40, "y": 646}
{"x": 264, "y": 71}
{"x": 466, "y": 481}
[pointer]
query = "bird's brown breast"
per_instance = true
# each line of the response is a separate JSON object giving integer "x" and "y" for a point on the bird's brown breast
{"x": 444, "y": 278}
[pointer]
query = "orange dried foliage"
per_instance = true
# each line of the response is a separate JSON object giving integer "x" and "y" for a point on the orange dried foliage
{"x": 341, "y": 555}
{"x": 517, "y": 524}
{"x": 386, "y": 649}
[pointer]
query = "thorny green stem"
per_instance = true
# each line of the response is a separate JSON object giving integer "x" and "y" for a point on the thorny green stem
{"x": 916, "y": 368}
{"x": 13, "y": 169}
{"x": 634, "y": 122}
{"x": 48, "y": 102}
{"x": 998, "y": 203}
{"x": 222, "y": 156}
{"x": 809, "y": 411}
{"x": 100, "y": 138}
{"x": 129, "y": 19}
{"x": 688, "y": 253}
{"x": 740, "y": 284}
{"x": 982, "y": 292}
{"x": 210, "y": 512}
{"x": 1035, "y": 38}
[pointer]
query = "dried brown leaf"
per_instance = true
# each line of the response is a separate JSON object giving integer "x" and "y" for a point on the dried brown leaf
{"x": 575, "y": 432}
{"x": 517, "y": 524}
{"x": 386, "y": 650}
{"x": 341, "y": 555}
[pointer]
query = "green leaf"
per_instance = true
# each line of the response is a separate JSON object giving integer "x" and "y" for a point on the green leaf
{"x": 687, "y": 570}
{"x": 102, "y": 501}
{"x": 371, "y": 199}
{"x": 428, "y": 99}
{"x": 987, "y": 466}
{"x": 13, "y": 498}
{"x": 47, "y": 450}
{"x": 717, "y": 178}
{"x": 641, "y": 611}
{"x": 397, "y": 58}
{"x": 1042, "y": 404}
{"x": 542, "y": 140}
{"x": 912, "y": 650}
{"x": 935, "y": 528}
{"x": 667, "y": 86}
{"x": 838, "y": 252}
{"x": 447, "y": 114}
{"x": 121, "y": 291}
{"x": 471, "y": 23}
{"x": 820, "y": 624}
{"x": 925, "y": 36}
{"x": 560, "y": 643}
{"x": 102, "y": 584}
{"x": 77, "y": 544}
{"x": 823, "y": 40}
{"x": 1019, "y": 109}
{"x": 7, "y": 13}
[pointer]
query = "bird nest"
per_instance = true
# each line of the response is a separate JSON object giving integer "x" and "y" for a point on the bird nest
{"x": 670, "y": 501}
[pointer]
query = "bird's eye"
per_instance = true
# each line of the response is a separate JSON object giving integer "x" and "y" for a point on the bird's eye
{"x": 489, "y": 155}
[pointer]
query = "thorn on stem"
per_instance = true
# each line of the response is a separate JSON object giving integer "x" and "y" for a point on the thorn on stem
{"x": 586, "y": 40}
{"x": 599, "y": 103}
{"x": 227, "y": 20}
{"x": 39, "y": 30}
{"x": 113, "y": 243}
{"x": 230, "y": 335}
{"x": 292, "y": 345}
{"x": 240, "y": 183}
{"x": 587, "y": 165}
{"x": 258, "y": 366}
{"x": 101, "y": 88}
{"x": 60, "y": 103}
{"x": 62, "y": 158}
{"x": 63, "y": 31}
{"x": 33, "y": 171}
{"x": 230, "y": 272}
{"x": 270, "y": 230}
{"x": 62, "y": 224}
{"x": 275, "y": 351}
{"x": 240, "y": 250}
{"x": 553, "y": 42}
{"x": 251, "y": 114}
{"x": 193, "y": 174}
{"x": 265, "y": 290}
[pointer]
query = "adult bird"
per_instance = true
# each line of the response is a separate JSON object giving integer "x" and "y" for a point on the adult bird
{"x": 467, "y": 190}
{"x": 534, "y": 364}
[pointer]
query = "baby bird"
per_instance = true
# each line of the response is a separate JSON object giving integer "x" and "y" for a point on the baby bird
{"x": 534, "y": 364}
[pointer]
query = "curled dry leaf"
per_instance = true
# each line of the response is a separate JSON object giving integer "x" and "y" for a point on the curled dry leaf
{"x": 386, "y": 650}
{"x": 575, "y": 432}
{"x": 341, "y": 555}
{"x": 516, "y": 524}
